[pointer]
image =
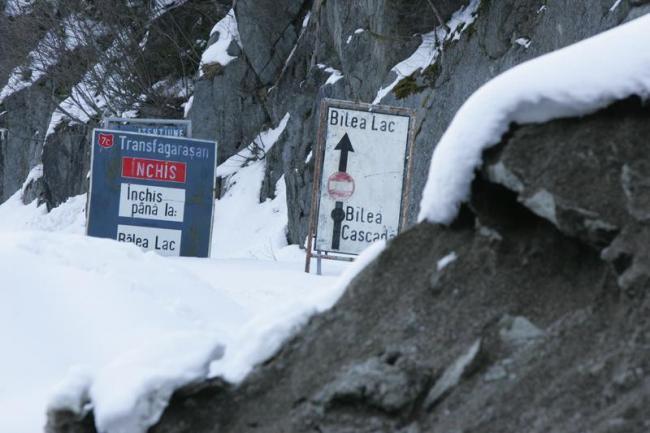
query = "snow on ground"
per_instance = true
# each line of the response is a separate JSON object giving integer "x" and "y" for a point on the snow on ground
{"x": 70, "y": 300}
{"x": 262, "y": 337}
{"x": 573, "y": 81}
{"x": 95, "y": 324}
{"x": 429, "y": 50}
{"x": 251, "y": 229}
{"x": 67, "y": 218}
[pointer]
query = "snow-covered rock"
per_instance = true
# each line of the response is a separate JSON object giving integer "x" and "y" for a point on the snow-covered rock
{"x": 573, "y": 81}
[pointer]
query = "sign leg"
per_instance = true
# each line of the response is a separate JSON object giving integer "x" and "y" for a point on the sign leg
{"x": 307, "y": 262}
{"x": 308, "y": 255}
{"x": 319, "y": 264}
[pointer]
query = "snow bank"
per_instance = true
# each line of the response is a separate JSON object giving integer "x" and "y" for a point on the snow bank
{"x": 139, "y": 323}
{"x": 124, "y": 328}
{"x": 148, "y": 376}
{"x": 574, "y": 81}
{"x": 264, "y": 335}
{"x": 429, "y": 50}
{"x": 244, "y": 227}
{"x": 67, "y": 218}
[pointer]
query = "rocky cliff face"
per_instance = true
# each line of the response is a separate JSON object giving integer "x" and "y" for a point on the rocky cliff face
{"x": 171, "y": 46}
{"x": 285, "y": 62}
{"x": 284, "y": 69}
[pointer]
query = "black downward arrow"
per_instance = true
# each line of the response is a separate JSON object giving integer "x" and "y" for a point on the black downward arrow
{"x": 344, "y": 146}
{"x": 337, "y": 215}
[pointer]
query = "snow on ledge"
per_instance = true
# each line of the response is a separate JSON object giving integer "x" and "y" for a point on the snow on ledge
{"x": 263, "y": 142}
{"x": 218, "y": 51}
{"x": 573, "y": 81}
{"x": 34, "y": 174}
{"x": 429, "y": 50}
{"x": 335, "y": 74}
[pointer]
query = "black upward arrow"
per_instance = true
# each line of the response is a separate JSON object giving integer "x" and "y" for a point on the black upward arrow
{"x": 338, "y": 215}
{"x": 344, "y": 146}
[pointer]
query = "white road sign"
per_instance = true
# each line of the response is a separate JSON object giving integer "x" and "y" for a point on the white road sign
{"x": 152, "y": 202}
{"x": 362, "y": 173}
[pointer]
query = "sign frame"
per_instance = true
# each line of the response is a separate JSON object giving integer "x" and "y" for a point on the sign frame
{"x": 117, "y": 131}
{"x": 106, "y": 123}
{"x": 325, "y": 105}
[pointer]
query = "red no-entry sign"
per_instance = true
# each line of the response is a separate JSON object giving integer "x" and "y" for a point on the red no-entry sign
{"x": 340, "y": 186}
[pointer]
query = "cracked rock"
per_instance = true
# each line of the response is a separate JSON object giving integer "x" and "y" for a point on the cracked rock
{"x": 517, "y": 331}
{"x": 630, "y": 258}
{"x": 636, "y": 185}
{"x": 383, "y": 383}
{"x": 453, "y": 374}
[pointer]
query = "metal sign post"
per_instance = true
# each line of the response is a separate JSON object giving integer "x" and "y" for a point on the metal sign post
{"x": 361, "y": 179}
{"x": 154, "y": 191}
{"x": 165, "y": 127}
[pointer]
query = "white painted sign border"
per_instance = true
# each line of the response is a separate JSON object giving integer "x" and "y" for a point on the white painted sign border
{"x": 325, "y": 105}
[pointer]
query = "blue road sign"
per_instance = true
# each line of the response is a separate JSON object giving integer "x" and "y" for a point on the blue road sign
{"x": 167, "y": 127}
{"x": 154, "y": 191}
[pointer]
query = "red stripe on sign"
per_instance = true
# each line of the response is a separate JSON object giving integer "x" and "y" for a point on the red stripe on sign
{"x": 154, "y": 169}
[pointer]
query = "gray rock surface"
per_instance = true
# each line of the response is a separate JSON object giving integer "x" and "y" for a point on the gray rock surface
{"x": 280, "y": 70}
{"x": 222, "y": 102}
{"x": 453, "y": 374}
{"x": 66, "y": 163}
{"x": 269, "y": 30}
{"x": 26, "y": 119}
{"x": 389, "y": 383}
{"x": 563, "y": 343}
{"x": 290, "y": 80}
{"x": 603, "y": 202}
